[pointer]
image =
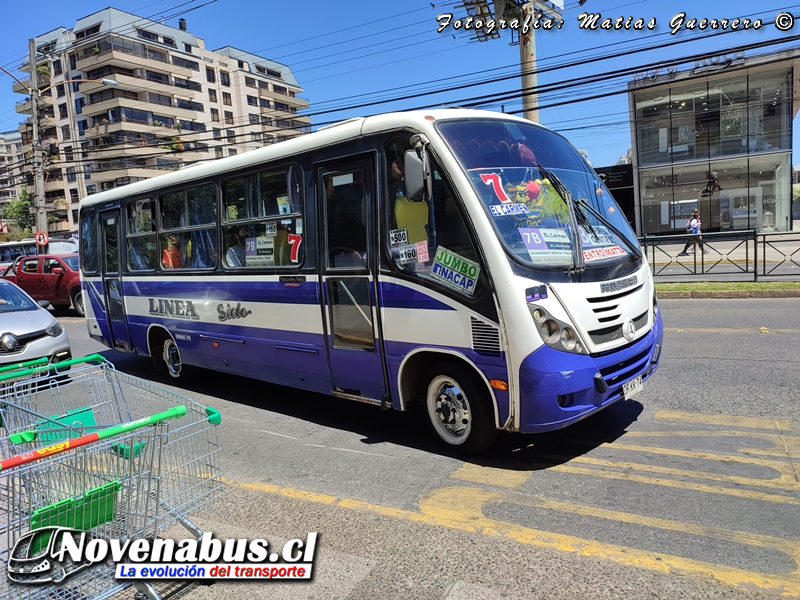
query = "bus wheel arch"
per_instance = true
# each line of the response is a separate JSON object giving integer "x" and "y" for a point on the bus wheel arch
{"x": 166, "y": 355}
{"x": 458, "y": 402}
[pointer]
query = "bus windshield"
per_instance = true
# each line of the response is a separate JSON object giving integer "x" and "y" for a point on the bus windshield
{"x": 509, "y": 164}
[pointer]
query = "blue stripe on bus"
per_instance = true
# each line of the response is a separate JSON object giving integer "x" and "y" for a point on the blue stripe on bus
{"x": 400, "y": 296}
{"x": 241, "y": 291}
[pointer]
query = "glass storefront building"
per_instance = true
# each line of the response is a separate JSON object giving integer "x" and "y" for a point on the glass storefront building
{"x": 720, "y": 142}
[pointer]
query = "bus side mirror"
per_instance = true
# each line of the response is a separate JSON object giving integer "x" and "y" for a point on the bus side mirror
{"x": 418, "y": 179}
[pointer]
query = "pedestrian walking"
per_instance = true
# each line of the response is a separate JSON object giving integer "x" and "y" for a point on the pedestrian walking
{"x": 693, "y": 227}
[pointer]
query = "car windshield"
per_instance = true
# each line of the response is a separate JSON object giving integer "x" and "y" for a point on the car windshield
{"x": 511, "y": 166}
{"x": 72, "y": 262}
{"x": 13, "y": 299}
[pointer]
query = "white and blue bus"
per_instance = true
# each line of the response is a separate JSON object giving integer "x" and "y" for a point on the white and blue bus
{"x": 468, "y": 260}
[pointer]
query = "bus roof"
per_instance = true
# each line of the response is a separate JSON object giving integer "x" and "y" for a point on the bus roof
{"x": 326, "y": 136}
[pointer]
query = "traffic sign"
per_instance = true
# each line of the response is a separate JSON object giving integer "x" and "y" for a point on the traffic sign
{"x": 42, "y": 239}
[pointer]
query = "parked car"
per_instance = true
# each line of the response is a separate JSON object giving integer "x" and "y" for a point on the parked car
{"x": 50, "y": 277}
{"x": 27, "y": 329}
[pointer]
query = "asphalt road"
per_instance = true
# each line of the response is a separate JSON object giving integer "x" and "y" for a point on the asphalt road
{"x": 689, "y": 490}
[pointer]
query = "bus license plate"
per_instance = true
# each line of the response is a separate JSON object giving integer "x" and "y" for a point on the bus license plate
{"x": 632, "y": 388}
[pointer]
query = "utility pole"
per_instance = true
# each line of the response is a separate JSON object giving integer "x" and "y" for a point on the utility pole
{"x": 38, "y": 172}
{"x": 527, "y": 64}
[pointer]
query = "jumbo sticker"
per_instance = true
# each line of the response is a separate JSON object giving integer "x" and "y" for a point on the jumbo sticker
{"x": 455, "y": 271}
{"x": 398, "y": 237}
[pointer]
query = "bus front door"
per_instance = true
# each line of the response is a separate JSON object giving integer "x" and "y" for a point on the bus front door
{"x": 354, "y": 351}
{"x": 112, "y": 283}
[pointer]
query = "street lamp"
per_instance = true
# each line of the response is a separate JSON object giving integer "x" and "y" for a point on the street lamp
{"x": 38, "y": 171}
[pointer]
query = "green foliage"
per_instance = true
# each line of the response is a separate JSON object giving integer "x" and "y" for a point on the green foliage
{"x": 19, "y": 216}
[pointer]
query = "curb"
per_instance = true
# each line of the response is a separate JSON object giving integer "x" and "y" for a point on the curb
{"x": 674, "y": 295}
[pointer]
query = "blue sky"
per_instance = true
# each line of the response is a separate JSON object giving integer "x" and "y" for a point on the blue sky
{"x": 356, "y": 51}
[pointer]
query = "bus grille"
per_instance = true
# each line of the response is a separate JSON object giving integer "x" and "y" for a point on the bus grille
{"x": 616, "y": 375}
{"x": 485, "y": 338}
{"x": 609, "y": 334}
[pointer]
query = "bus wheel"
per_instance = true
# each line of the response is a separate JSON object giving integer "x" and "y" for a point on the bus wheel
{"x": 459, "y": 410}
{"x": 172, "y": 359}
{"x": 77, "y": 303}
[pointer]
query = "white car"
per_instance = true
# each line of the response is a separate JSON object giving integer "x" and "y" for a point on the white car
{"x": 28, "y": 330}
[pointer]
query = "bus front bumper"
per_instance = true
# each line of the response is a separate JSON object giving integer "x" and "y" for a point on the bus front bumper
{"x": 559, "y": 388}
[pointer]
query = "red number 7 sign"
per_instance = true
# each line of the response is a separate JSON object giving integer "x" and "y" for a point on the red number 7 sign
{"x": 294, "y": 241}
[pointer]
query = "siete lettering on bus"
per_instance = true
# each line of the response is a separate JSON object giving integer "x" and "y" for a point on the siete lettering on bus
{"x": 455, "y": 271}
{"x": 178, "y": 309}
{"x": 227, "y": 312}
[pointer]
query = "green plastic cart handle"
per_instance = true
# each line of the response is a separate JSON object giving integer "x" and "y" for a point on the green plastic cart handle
{"x": 96, "y": 358}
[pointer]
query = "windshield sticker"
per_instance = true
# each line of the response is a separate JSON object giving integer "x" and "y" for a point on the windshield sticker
{"x": 405, "y": 254}
{"x": 601, "y": 253}
{"x": 422, "y": 251}
{"x": 600, "y": 237}
{"x": 271, "y": 229}
{"x": 546, "y": 245}
{"x": 503, "y": 210}
{"x": 493, "y": 179}
{"x": 259, "y": 252}
{"x": 398, "y": 237}
{"x": 455, "y": 271}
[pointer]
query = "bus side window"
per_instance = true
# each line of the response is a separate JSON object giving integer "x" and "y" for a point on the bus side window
{"x": 418, "y": 230}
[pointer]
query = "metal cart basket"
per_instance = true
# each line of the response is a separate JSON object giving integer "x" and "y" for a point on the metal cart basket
{"x": 83, "y": 446}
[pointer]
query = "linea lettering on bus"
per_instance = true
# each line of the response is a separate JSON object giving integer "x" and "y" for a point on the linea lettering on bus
{"x": 179, "y": 309}
{"x": 228, "y": 312}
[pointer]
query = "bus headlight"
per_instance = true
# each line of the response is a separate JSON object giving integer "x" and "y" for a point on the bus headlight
{"x": 555, "y": 333}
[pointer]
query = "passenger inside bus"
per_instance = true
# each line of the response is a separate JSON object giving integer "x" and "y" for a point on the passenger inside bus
{"x": 234, "y": 255}
{"x": 171, "y": 258}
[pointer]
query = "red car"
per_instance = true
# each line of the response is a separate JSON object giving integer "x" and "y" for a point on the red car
{"x": 50, "y": 277}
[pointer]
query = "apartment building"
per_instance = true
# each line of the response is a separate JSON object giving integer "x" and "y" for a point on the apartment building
{"x": 11, "y": 165}
{"x": 125, "y": 98}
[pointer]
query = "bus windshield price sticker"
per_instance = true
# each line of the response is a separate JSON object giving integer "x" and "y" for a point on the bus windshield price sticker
{"x": 405, "y": 254}
{"x": 260, "y": 252}
{"x": 546, "y": 245}
{"x": 271, "y": 229}
{"x": 455, "y": 271}
{"x": 398, "y": 237}
{"x": 422, "y": 251}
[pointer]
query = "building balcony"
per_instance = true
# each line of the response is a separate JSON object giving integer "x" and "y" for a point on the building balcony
{"x": 101, "y": 108}
{"x": 138, "y": 84}
{"x": 58, "y": 227}
{"x": 130, "y": 61}
{"x": 114, "y": 174}
{"x": 25, "y": 107}
{"x": 25, "y": 87}
{"x": 53, "y": 186}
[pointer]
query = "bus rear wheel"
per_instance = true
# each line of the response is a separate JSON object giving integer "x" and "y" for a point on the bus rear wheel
{"x": 171, "y": 355}
{"x": 459, "y": 409}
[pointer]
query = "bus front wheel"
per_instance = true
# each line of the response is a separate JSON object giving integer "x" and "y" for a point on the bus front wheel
{"x": 459, "y": 409}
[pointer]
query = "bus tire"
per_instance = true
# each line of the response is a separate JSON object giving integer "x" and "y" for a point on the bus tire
{"x": 459, "y": 409}
{"x": 77, "y": 303}
{"x": 171, "y": 357}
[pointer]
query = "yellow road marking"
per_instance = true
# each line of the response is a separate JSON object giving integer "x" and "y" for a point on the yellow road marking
{"x": 491, "y": 475}
{"x": 461, "y": 508}
{"x": 674, "y": 483}
{"x": 784, "y": 446}
{"x": 728, "y": 420}
{"x": 728, "y": 330}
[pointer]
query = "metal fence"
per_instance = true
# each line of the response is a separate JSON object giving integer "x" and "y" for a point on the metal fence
{"x": 725, "y": 256}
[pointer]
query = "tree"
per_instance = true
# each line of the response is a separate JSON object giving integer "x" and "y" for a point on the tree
{"x": 19, "y": 217}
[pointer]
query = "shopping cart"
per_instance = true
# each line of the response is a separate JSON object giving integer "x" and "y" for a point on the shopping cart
{"x": 84, "y": 446}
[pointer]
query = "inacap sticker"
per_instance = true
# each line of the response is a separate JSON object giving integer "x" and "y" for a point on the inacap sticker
{"x": 455, "y": 271}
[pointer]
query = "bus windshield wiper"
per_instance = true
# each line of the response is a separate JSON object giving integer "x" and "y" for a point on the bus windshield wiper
{"x": 578, "y": 265}
{"x": 581, "y": 216}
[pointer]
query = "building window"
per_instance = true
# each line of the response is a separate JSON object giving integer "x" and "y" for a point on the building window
{"x": 263, "y": 85}
{"x": 225, "y": 78}
{"x": 212, "y": 95}
{"x": 231, "y": 135}
{"x": 71, "y": 175}
{"x": 232, "y": 152}
{"x": 218, "y": 152}
{"x": 226, "y": 99}
{"x": 73, "y": 62}
{"x": 65, "y": 132}
{"x": 228, "y": 118}
{"x": 79, "y": 104}
{"x": 217, "y": 132}
{"x": 276, "y": 74}
{"x": 62, "y": 111}
{"x": 170, "y": 42}
{"x": 60, "y": 91}
{"x": 255, "y": 119}
{"x": 68, "y": 155}
{"x": 160, "y": 99}
{"x": 57, "y": 68}
{"x": 82, "y": 125}
{"x": 87, "y": 32}
{"x": 187, "y": 48}
{"x": 256, "y": 137}
{"x": 186, "y": 64}
{"x": 214, "y": 115}
{"x": 282, "y": 106}
{"x": 264, "y": 103}
{"x": 260, "y": 69}
{"x": 210, "y": 75}
{"x": 279, "y": 89}
{"x": 241, "y": 64}
{"x": 146, "y": 35}
{"x": 250, "y": 82}
{"x": 252, "y": 101}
